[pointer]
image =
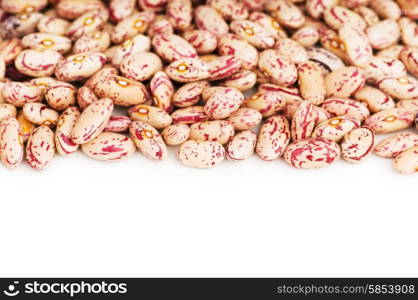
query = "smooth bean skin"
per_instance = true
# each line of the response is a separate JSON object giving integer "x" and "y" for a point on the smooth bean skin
{"x": 407, "y": 161}
{"x": 40, "y": 148}
{"x": 148, "y": 140}
{"x": 394, "y": 145}
{"x": 11, "y": 142}
{"x": 201, "y": 154}
{"x": 109, "y": 146}
{"x": 241, "y": 146}
{"x": 357, "y": 144}
{"x": 66, "y": 121}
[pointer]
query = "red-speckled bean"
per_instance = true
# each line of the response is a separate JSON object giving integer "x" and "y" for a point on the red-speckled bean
{"x": 176, "y": 134}
{"x": 374, "y": 98}
{"x": 148, "y": 140}
{"x": 11, "y": 142}
{"x": 79, "y": 66}
{"x": 40, "y": 114}
{"x": 410, "y": 105}
{"x": 89, "y": 22}
{"x": 409, "y": 56}
{"x": 179, "y": 13}
{"x": 47, "y": 41}
{"x": 303, "y": 121}
{"x": 131, "y": 26}
{"x": 152, "y": 115}
{"x": 383, "y": 34}
{"x": 344, "y": 82}
{"x": 171, "y": 47}
{"x": 399, "y": 87}
{"x": 245, "y": 118}
{"x": 215, "y": 131}
{"x": 162, "y": 91}
{"x": 390, "y": 120}
{"x": 288, "y": 14}
{"x": 243, "y": 80}
{"x": 273, "y": 138}
{"x": 26, "y": 126}
{"x": 394, "y": 145}
{"x": 208, "y": 18}
{"x": 312, "y": 153}
{"x": 40, "y": 148}
{"x": 121, "y": 9}
{"x": 267, "y": 103}
{"x": 316, "y": 8}
{"x": 268, "y": 23}
{"x": 357, "y": 45}
{"x": 387, "y": 9}
{"x": 118, "y": 124}
{"x": 381, "y": 67}
{"x": 85, "y": 97}
{"x": 189, "y": 94}
{"x": 188, "y": 70}
{"x": 109, "y": 146}
{"x": 348, "y": 107}
{"x": 223, "y": 66}
{"x": 37, "y": 63}
{"x": 202, "y": 40}
{"x": 337, "y": 16}
{"x": 253, "y": 33}
{"x": 230, "y": 9}
{"x": 306, "y": 36}
{"x": 92, "y": 121}
{"x": 336, "y": 128}
{"x": 19, "y": 93}
{"x": 311, "y": 82}
{"x": 123, "y": 91}
{"x": 201, "y": 155}
{"x": 7, "y": 110}
{"x": 141, "y": 66}
{"x": 65, "y": 125}
{"x": 409, "y": 30}
{"x": 92, "y": 42}
{"x": 241, "y": 146}
{"x": 60, "y": 95}
{"x": 53, "y": 25}
{"x": 292, "y": 50}
{"x": 231, "y": 44}
{"x": 223, "y": 103}
{"x": 277, "y": 67}
{"x": 189, "y": 115}
{"x": 407, "y": 161}
{"x": 357, "y": 144}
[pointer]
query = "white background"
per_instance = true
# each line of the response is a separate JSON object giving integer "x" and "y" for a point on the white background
{"x": 138, "y": 217}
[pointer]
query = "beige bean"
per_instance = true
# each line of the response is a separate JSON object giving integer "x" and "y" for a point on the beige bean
{"x": 390, "y": 120}
{"x": 288, "y": 14}
{"x": 381, "y": 67}
{"x": 383, "y": 34}
{"x": 267, "y": 103}
{"x": 40, "y": 148}
{"x": 47, "y": 41}
{"x": 109, "y": 146}
{"x": 189, "y": 115}
{"x": 141, "y": 66}
{"x": 79, "y": 66}
{"x": 223, "y": 103}
{"x": 152, "y": 115}
{"x": 162, "y": 91}
{"x": 374, "y": 98}
{"x": 232, "y": 44}
{"x": 92, "y": 121}
{"x": 348, "y": 107}
{"x": 176, "y": 134}
{"x": 399, "y": 87}
{"x": 188, "y": 70}
{"x": 65, "y": 125}
{"x": 292, "y": 50}
{"x": 208, "y": 18}
{"x": 60, "y": 95}
{"x": 357, "y": 144}
{"x": 7, "y": 110}
{"x": 97, "y": 41}
{"x": 171, "y": 47}
{"x": 19, "y": 93}
{"x": 409, "y": 56}
{"x": 344, "y": 82}
{"x": 148, "y": 140}
{"x": 123, "y": 91}
{"x": 311, "y": 82}
{"x": 253, "y": 33}
{"x": 277, "y": 67}
{"x": 336, "y": 128}
{"x": 395, "y": 144}
{"x": 245, "y": 118}
{"x": 408, "y": 32}
{"x": 216, "y": 131}
{"x": 407, "y": 161}
{"x": 40, "y": 114}
{"x": 410, "y": 105}
{"x": 11, "y": 142}
{"x": 273, "y": 138}
{"x": 189, "y": 94}
{"x": 303, "y": 121}
{"x": 241, "y": 146}
{"x": 203, "y": 155}
{"x": 357, "y": 46}
{"x": 243, "y": 80}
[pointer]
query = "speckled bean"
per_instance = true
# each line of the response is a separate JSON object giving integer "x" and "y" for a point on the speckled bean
{"x": 223, "y": 66}
{"x": 189, "y": 115}
{"x": 383, "y": 34}
{"x": 189, "y": 94}
{"x": 357, "y": 144}
{"x": 267, "y": 103}
{"x": 176, "y": 134}
{"x": 152, "y": 115}
{"x": 141, "y": 66}
{"x": 399, "y": 87}
{"x": 171, "y": 47}
{"x": 312, "y": 153}
{"x": 201, "y": 155}
{"x": 97, "y": 41}
{"x": 65, "y": 125}
{"x": 336, "y": 128}
{"x": 356, "y": 44}
{"x": 288, "y": 14}
{"x": 60, "y": 95}
{"x": 208, "y": 18}
{"x": 303, "y": 121}
{"x": 7, "y": 110}
{"x": 53, "y": 25}
{"x": 243, "y": 80}
{"x": 40, "y": 114}
{"x": 202, "y": 40}
{"x": 409, "y": 30}
{"x": 121, "y": 9}
{"x": 387, "y": 9}
{"x": 268, "y": 23}
{"x": 241, "y": 146}
{"x": 40, "y": 148}
{"x": 409, "y": 56}
{"x": 381, "y": 67}
{"x": 138, "y": 43}
{"x": 410, "y": 105}
{"x": 91, "y": 21}
{"x": 306, "y": 36}
{"x": 374, "y": 98}
{"x": 19, "y": 93}
{"x": 148, "y": 140}
{"x": 273, "y": 137}
{"x": 47, "y": 41}
{"x": 311, "y": 82}
{"x": 232, "y": 44}
{"x": 407, "y": 161}
{"x": 390, "y": 120}
{"x": 85, "y": 97}
{"x": 277, "y": 67}
{"x": 92, "y": 121}
{"x": 344, "y": 82}
{"x": 348, "y": 107}
{"x": 26, "y": 126}
{"x": 223, "y": 103}
{"x": 131, "y": 26}
{"x": 118, "y": 124}
{"x": 109, "y": 146}
{"x": 253, "y": 33}
{"x": 79, "y": 66}
{"x": 337, "y": 16}
{"x": 394, "y": 145}
{"x": 188, "y": 70}
{"x": 215, "y": 131}
{"x": 123, "y": 91}
{"x": 245, "y": 118}
{"x": 292, "y": 50}
{"x": 11, "y": 142}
